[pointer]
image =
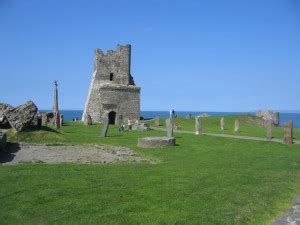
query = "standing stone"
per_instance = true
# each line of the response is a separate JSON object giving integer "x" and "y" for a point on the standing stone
{"x": 44, "y": 119}
{"x": 87, "y": 119}
{"x": 157, "y": 121}
{"x": 105, "y": 125}
{"x": 222, "y": 123}
{"x": 61, "y": 120}
{"x": 198, "y": 125}
{"x": 288, "y": 133}
{"x": 269, "y": 129}
{"x": 237, "y": 125}
{"x": 47, "y": 117}
{"x": 57, "y": 120}
{"x": 20, "y": 117}
{"x": 169, "y": 127}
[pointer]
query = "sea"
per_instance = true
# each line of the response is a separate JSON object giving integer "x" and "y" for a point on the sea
{"x": 69, "y": 115}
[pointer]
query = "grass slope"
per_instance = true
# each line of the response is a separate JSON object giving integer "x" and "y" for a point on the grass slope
{"x": 202, "y": 180}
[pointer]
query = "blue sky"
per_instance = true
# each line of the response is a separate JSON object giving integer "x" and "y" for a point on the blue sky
{"x": 213, "y": 55}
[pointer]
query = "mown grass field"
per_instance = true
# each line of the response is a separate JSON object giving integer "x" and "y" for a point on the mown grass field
{"x": 202, "y": 180}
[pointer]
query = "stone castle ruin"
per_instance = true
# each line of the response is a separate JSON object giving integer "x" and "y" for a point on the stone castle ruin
{"x": 112, "y": 93}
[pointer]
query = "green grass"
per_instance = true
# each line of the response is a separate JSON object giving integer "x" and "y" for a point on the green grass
{"x": 202, "y": 180}
{"x": 212, "y": 125}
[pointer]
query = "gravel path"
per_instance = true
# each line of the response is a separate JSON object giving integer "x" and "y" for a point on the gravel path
{"x": 28, "y": 153}
{"x": 292, "y": 217}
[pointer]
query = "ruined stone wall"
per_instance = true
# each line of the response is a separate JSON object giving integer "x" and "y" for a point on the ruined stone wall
{"x": 112, "y": 87}
{"x": 124, "y": 100}
{"x": 266, "y": 115}
{"x": 116, "y": 63}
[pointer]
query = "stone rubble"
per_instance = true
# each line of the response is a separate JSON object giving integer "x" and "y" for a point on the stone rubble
{"x": 20, "y": 117}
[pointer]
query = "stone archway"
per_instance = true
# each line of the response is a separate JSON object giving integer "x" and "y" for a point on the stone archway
{"x": 112, "y": 117}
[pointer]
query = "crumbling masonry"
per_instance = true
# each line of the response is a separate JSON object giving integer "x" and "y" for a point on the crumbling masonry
{"x": 112, "y": 91}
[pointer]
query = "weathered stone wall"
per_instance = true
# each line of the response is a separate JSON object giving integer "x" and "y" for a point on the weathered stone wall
{"x": 124, "y": 100}
{"x": 112, "y": 87}
{"x": 267, "y": 115}
{"x": 3, "y": 120}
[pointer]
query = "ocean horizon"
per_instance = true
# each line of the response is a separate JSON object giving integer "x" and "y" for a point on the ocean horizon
{"x": 69, "y": 115}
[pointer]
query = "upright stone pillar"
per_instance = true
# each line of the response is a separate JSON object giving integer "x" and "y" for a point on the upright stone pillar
{"x": 269, "y": 129}
{"x": 198, "y": 125}
{"x": 105, "y": 125}
{"x": 288, "y": 133}
{"x": 222, "y": 123}
{"x": 55, "y": 107}
{"x": 237, "y": 125}
{"x": 44, "y": 119}
{"x": 57, "y": 120}
{"x": 169, "y": 127}
{"x": 157, "y": 121}
{"x": 55, "y": 103}
{"x": 61, "y": 119}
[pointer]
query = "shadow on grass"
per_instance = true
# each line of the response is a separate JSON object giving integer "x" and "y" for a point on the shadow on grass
{"x": 116, "y": 135}
{"x": 8, "y": 155}
{"x": 43, "y": 128}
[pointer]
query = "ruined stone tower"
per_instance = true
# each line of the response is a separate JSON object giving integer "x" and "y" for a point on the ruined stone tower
{"x": 112, "y": 91}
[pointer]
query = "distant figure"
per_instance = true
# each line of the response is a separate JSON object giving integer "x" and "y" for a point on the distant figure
{"x": 170, "y": 113}
{"x": 173, "y": 114}
{"x": 122, "y": 127}
{"x": 129, "y": 125}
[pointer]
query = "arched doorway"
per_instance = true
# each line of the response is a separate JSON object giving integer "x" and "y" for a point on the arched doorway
{"x": 112, "y": 117}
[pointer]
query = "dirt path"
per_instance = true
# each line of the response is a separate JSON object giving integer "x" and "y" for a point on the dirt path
{"x": 228, "y": 136}
{"x": 29, "y": 153}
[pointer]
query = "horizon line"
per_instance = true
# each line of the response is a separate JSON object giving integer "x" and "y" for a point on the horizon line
{"x": 242, "y": 111}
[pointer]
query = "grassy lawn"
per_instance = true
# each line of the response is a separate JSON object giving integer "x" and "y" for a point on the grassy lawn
{"x": 202, "y": 180}
{"x": 212, "y": 125}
